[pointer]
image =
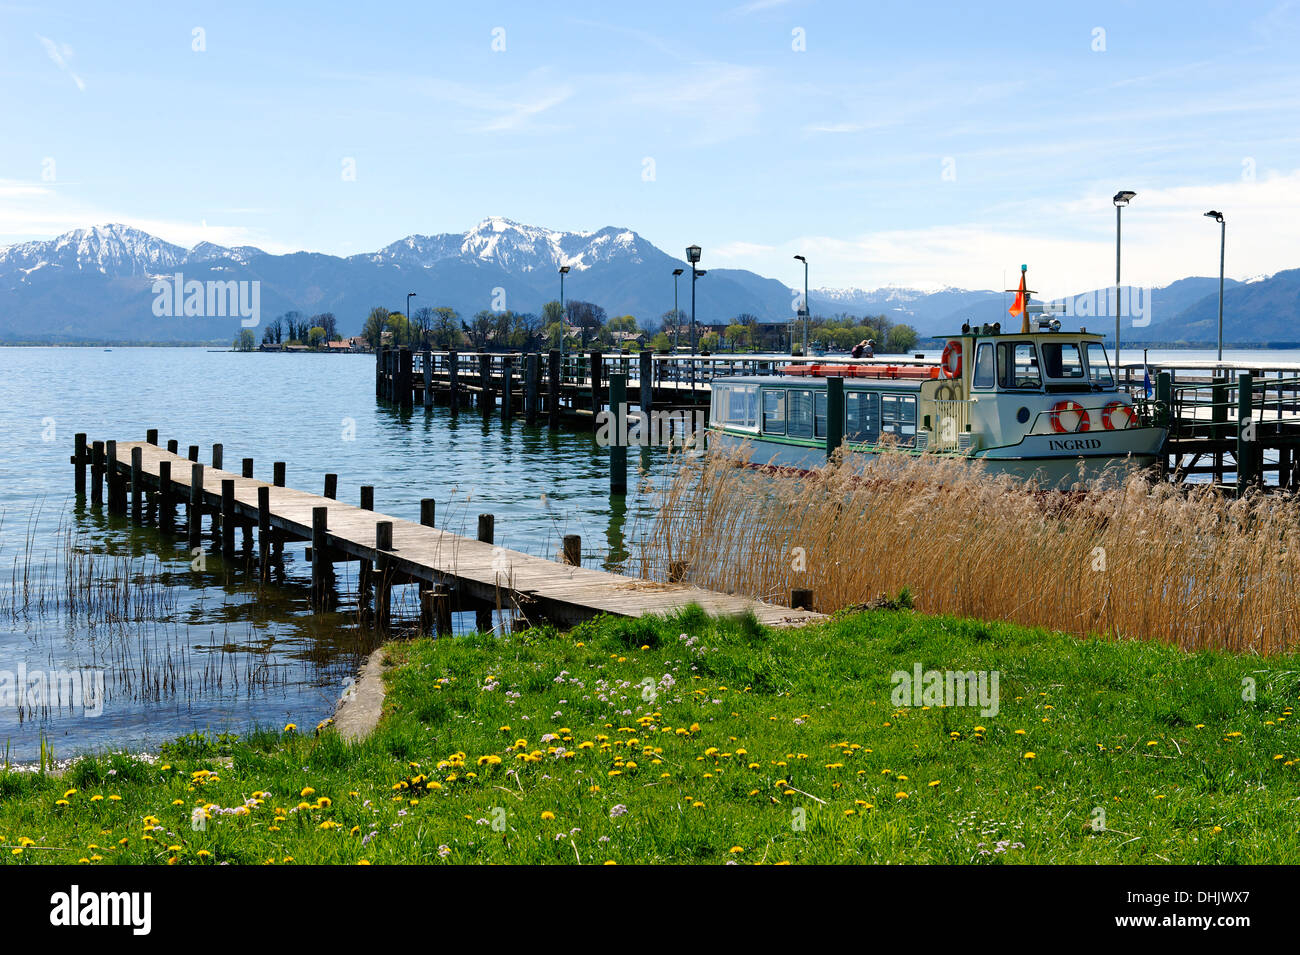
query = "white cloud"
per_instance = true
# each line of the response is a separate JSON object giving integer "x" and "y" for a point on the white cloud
{"x": 60, "y": 55}
{"x": 1069, "y": 245}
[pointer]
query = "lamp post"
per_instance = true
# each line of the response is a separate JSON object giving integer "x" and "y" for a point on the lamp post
{"x": 1223, "y": 238}
{"x": 564, "y": 270}
{"x": 677, "y": 318}
{"x": 803, "y": 308}
{"x": 1121, "y": 199}
{"x": 693, "y": 257}
{"x": 409, "y": 296}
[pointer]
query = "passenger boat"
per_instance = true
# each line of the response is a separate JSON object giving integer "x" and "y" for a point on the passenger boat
{"x": 1041, "y": 405}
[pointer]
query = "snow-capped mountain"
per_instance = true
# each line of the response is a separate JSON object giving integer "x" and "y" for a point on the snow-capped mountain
{"x": 96, "y": 284}
{"x": 516, "y": 247}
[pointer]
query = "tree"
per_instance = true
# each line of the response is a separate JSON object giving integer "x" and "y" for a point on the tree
{"x": 552, "y": 312}
{"x": 399, "y": 328}
{"x": 326, "y": 322}
{"x": 661, "y": 343}
{"x": 376, "y": 323}
{"x": 480, "y": 330}
{"x": 588, "y": 319}
{"x": 296, "y": 325}
{"x": 445, "y": 330}
{"x": 316, "y": 337}
{"x": 709, "y": 342}
{"x": 246, "y": 340}
{"x": 901, "y": 338}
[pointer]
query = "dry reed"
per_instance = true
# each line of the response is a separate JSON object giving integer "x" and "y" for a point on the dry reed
{"x": 1146, "y": 561}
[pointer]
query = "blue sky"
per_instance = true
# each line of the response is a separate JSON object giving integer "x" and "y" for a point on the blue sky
{"x": 904, "y": 143}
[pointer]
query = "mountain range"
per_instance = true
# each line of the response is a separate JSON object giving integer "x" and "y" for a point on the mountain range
{"x": 98, "y": 284}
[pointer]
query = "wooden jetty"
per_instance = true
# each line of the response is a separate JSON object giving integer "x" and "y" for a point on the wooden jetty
{"x": 453, "y": 573}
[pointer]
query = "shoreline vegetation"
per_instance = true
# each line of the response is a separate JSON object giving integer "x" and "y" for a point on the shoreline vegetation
{"x": 696, "y": 740}
{"x": 1141, "y": 561}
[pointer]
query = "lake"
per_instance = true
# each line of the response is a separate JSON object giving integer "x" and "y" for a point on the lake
{"x": 205, "y": 649}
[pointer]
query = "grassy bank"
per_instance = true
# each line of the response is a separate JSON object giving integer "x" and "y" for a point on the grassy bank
{"x": 623, "y": 742}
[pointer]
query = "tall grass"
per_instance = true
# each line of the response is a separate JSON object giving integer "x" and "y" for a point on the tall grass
{"x": 1144, "y": 561}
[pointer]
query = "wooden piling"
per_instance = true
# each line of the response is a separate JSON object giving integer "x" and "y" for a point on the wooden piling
{"x": 173, "y": 446}
{"x": 487, "y": 534}
{"x": 166, "y": 508}
{"x": 427, "y": 511}
{"x": 137, "y": 484}
{"x": 97, "y": 473}
{"x": 218, "y": 451}
{"x": 507, "y": 387}
{"x": 79, "y": 462}
{"x": 405, "y": 384}
{"x": 320, "y": 559}
{"x": 572, "y": 550}
{"x": 264, "y": 532}
{"x": 834, "y": 414}
{"x": 247, "y": 466}
{"x": 532, "y": 390}
{"x": 597, "y": 384}
{"x": 332, "y": 486}
{"x": 485, "y": 400}
{"x": 1247, "y": 440}
{"x": 553, "y": 388}
{"x": 384, "y": 581}
{"x": 194, "y": 513}
{"x": 618, "y": 430}
{"x": 646, "y": 378}
{"x": 437, "y": 616}
{"x": 227, "y": 517}
{"x": 453, "y": 380}
{"x": 367, "y": 568}
{"x": 426, "y": 365}
{"x": 278, "y": 478}
{"x": 193, "y": 452}
{"x": 801, "y": 599}
{"x": 151, "y": 436}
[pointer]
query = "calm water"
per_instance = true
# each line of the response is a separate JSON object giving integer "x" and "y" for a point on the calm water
{"x": 201, "y": 649}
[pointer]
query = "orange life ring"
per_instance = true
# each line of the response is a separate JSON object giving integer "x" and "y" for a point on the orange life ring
{"x": 952, "y": 359}
{"x": 1073, "y": 407}
{"x": 1130, "y": 416}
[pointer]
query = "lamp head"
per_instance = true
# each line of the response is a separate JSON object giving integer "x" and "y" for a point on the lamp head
{"x": 1215, "y": 214}
{"x": 693, "y": 253}
{"x": 1123, "y": 196}
{"x": 678, "y": 271}
{"x": 564, "y": 270}
{"x": 802, "y": 259}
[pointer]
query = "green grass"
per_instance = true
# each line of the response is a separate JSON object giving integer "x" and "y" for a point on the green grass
{"x": 782, "y": 744}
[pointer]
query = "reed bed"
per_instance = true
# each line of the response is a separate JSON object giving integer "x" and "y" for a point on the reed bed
{"x": 1189, "y": 567}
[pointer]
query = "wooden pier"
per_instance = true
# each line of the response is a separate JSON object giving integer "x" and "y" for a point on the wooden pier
{"x": 453, "y": 573}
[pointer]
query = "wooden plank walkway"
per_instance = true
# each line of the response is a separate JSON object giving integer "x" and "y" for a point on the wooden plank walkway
{"x": 477, "y": 571}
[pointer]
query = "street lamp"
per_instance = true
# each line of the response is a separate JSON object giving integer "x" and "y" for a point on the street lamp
{"x": 1121, "y": 199}
{"x": 409, "y": 296}
{"x": 677, "y": 318}
{"x": 1223, "y": 237}
{"x": 564, "y": 270}
{"x": 693, "y": 257}
{"x": 803, "y": 310}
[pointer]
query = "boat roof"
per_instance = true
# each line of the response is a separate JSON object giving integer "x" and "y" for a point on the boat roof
{"x": 809, "y": 381}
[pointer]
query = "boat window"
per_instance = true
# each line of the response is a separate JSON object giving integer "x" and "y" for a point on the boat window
{"x": 1099, "y": 366}
{"x": 984, "y": 373}
{"x": 1062, "y": 360}
{"x": 1018, "y": 365}
{"x": 773, "y": 411}
{"x": 819, "y": 414}
{"x": 862, "y": 417}
{"x": 735, "y": 406}
{"x": 799, "y": 414}
{"x": 898, "y": 417}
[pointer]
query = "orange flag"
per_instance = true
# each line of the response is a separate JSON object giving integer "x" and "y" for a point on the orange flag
{"x": 1018, "y": 305}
